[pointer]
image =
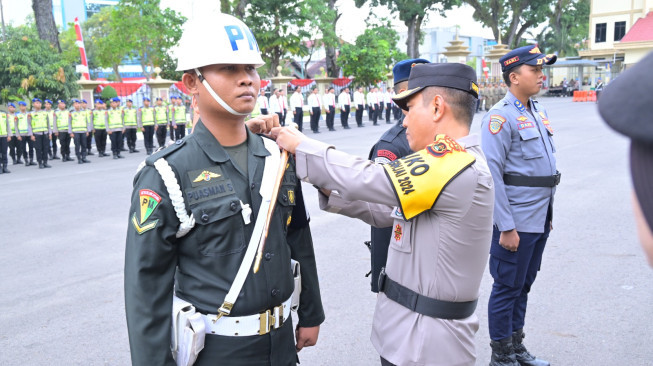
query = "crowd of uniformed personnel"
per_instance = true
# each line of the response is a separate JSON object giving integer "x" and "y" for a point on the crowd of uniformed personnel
{"x": 490, "y": 94}
{"x": 30, "y": 136}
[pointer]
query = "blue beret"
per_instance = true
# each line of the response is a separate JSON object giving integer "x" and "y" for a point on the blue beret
{"x": 129, "y": 100}
{"x": 528, "y": 55}
{"x": 99, "y": 101}
{"x": 36, "y": 100}
{"x": 115, "y": 99}
{"x": 159, "y": 98}
{"x": 173, "y": 97}
{"x": 146, "y": 98}
{"x": 84, "y": 101}
{"x": 48, "y": 101}
{"x": 12, "y": 105}
{"x": 401, "y": 71}
{"x": 75, "y": 100}
{"x": 22, "y": 103}
{"x": 59, "y": 101}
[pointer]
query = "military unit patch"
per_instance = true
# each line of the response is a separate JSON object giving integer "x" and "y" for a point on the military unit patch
{"x": 149, "y": 202}
{"x": 496, "y": 123}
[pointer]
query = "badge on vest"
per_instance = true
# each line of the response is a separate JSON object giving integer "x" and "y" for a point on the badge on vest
{"x": 205, "y": 176}
{"x": 419, "y": 178}
{"x": 149, "y": 202}
{"x": 496, "y": 123}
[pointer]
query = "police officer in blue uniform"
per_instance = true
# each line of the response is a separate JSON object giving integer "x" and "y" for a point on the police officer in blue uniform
{"x": 391, "y": 146}
{"x": 517, "y": 140}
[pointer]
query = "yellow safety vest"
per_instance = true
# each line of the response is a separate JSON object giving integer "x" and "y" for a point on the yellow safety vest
{"x": 98, "y": 119}
{"x": 180, "y": 114}
{"x": 3, "y": 124}
{"x": 129, "y": 117}
{"x": 22, "y": 123}
{"x": 160, "y": 115}
{"x": 62, "y": 120}
{"x": 147, "y": 116}
{"x": 115, "y": 118}
{"x": 80, "y": 123}
{"x": 12, "y": 122}
{"x": 39, "y": 121}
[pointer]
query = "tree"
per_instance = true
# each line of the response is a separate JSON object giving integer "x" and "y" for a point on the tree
{"x": 371, "y": 57}
{"x": 45, "y": 24}
{"x": 31, "y": 67}
{"x": 567, "y": 29}
{"x": 510, "y": 19}
{"x": 146, "y": 30}
{"x": 413, "y": 13}
{"x": 329, "y": 19}
{"x": 105, "y": 48}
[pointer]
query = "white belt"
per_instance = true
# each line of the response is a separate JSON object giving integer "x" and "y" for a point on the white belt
{"x": 243, "y": 326}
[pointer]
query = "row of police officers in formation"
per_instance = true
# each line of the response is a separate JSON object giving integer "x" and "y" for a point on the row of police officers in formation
{"x": 25, "y": 133}
{"x": 375, "y": 102}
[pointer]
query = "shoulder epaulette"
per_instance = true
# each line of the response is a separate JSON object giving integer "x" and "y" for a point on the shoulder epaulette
{"x": 166, "y": 151}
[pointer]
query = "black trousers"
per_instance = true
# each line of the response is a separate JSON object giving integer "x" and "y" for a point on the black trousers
{"x": 4, "y": 145}
{"x": 161, "y": 134}
{"x": 264, "y": 111}
{"x": 299, "y": 117}
{"x": 283, "y": 118}
{"x": 379, "y": 111}
{"x": 89, "y": 141}
{"x": 148, "y": 137}
{"x": 359, "y": 115}
{"x": 172, "y": 132}
{"x": 64, "y": 140}
{"x": 344, "y": 116}
{"x": 100, "y": 140}
{"x": 373, "y": 114}
{"x": 280, "y": 117}
{"x": 42, "y": 144}
{"x": 381, "y": 105}
{"x": 387, "y": 113}
{"x": 116, "y": 141}
{"x": 52, "y": 150}
{"x": 13, "y": 146}
{"x": 385, "y": 362}
{"x": 23, "y": 145}
{"x": 315, "y": 119}
{"x": 80, "y": 145}
{"x": 180, "y": 132}
{"x": 331, "y": 115}
{"x": 130, "y": 133}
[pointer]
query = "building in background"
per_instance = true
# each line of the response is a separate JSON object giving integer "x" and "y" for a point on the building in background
{"x": 65, "y": 11}
{"x": 621, "y": 33}
{"x": 435, "y": 40}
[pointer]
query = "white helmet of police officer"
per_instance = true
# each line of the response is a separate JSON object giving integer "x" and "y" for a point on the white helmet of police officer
{"x": 217, "y": 39}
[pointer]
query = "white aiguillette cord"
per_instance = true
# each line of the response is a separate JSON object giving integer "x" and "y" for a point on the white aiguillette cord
{"x": 271, "y": 166}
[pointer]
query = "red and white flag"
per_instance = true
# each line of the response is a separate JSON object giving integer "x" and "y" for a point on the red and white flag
{"x": 82, "y": 50}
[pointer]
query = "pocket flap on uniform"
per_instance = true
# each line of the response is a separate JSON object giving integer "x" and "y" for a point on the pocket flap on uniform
{"x": 529, "y": 134}
{"x": 205, "y": 214}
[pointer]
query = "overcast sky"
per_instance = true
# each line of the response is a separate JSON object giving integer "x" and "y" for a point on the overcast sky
{"x": 350, "y": 25}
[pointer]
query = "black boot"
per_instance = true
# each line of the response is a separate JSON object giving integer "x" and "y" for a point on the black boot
{"x": 134, "y": 149}
{"x": 115, "y": 156}
{"x": 55, "y": 157}
{"x": 524, "y": 357}
{"x": 120, "y": 156}
{"x": 31, "y": 162}
{"x": 41, "y": 165}
{"x": 503, "y": 354}
{"x": 79, "y": 160}
{"x": 4, "y": 168}
{"x": 84, "y": 159}
{"x": 13, "y": 160}
{"x": 68, "y": 158}
{"x": 46, "y": 165}
{"x": 90, "y": 152}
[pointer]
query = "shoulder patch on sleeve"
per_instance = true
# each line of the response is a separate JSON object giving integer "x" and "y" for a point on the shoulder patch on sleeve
{"x": 386, "y": 154}
{"x": 149, "y": 201}
{"x": 419, "y": 178}
{"x": 496, "y": 123}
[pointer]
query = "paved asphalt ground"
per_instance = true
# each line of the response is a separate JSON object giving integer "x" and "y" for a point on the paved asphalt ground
{"x": 62, "y": 247}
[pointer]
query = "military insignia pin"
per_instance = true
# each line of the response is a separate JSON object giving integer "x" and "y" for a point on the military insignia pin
{"x": 291, "y": 196}
{"x": 206, "y": 176}
{"x": 398, "y": 232}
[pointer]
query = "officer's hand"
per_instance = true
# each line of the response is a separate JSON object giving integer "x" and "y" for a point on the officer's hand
{"x": 72, "y": 135}
{"x": 263, "y": 123}
{"x": 109, "y": 132}
{"x": 33, "y": 138}
{"x": 49, "y": 137}
{"x": 56, "y": 133}
{"x": 509, "y": 240}
{"x": 288, "y": 138}
{"x": 142, "y": 129}
{"x": 19, "y": 138}
{"x": 306, "y": 337}
{"x": 8, "y": 138}
{"x": 175, "y": 127}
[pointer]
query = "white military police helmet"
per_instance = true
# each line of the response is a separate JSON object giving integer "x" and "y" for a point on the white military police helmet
{"x": 217, "y": 39}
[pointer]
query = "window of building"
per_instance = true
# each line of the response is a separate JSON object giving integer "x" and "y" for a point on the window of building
{"x": 619, "y": 30}
{"x": 600, "y": 32}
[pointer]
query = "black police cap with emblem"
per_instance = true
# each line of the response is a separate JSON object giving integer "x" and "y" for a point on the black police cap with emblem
{"x": 527, "y": 55}
{"x": 401, "y": 71}
{"x": 454, "y": 76}
{"x": 625, "y": 105}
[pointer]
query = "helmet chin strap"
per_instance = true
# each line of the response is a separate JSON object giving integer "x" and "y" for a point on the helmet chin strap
{"x": 216, "y": 96}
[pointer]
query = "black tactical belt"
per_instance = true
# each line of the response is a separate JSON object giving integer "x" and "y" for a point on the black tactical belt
{"x": 528, "y": 181}
{"x": 424, "y": 305}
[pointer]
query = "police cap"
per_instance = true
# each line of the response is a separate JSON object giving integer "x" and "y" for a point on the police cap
{"x": 527, "y": 55}
{"x": 12, "y": 105}
{"x": 130, "y": 101}
{"x": 401, "y": 71}
{"x": 48, "y": 101}
{"x": 36, "y": 100}
{"x": 115, "y": 99}
{"x": 75, "y": 100}
{"x": 146, "y": 98}
{"x": 22, "y": 103}
{"x": 99, "y": 101}
{"x": 84, "y": 101}
{"x": 59, "y": 101}
{"x": 454, "y": 76}
{"x": 624, "y": 105}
